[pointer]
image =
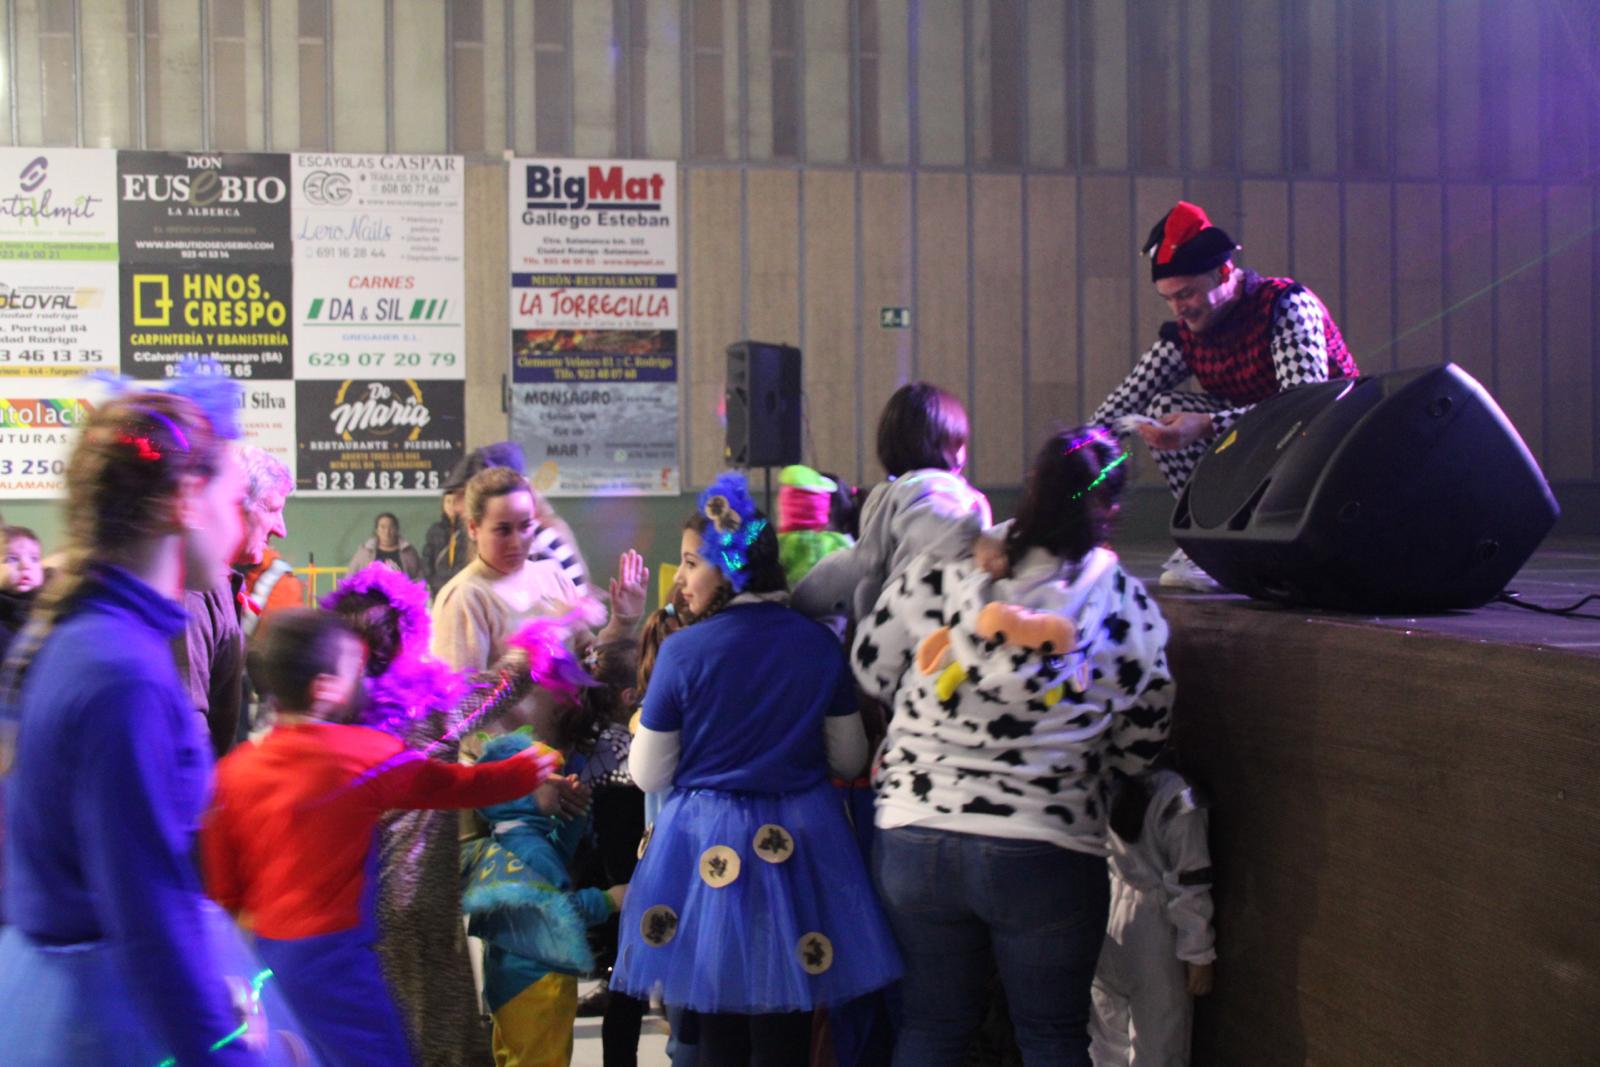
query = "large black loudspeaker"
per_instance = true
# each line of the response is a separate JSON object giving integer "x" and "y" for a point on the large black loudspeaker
{"x": 1405, "y": 492}
{"x": 763, "y": 405}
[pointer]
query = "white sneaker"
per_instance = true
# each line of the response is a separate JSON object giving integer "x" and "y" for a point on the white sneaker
{"x": 1181, "y": 572}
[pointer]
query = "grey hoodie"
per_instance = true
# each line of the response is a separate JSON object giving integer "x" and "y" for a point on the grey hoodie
{"x": 930, "y": 510}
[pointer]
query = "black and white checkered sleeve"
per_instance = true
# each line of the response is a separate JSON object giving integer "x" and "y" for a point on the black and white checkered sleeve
{"x": 1222, "y": 421}
{"x": 1159, "y": 370}
{"x": 1299, "y": 342}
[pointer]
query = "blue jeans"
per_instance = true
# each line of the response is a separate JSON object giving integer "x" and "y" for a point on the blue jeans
{"x": 962, "y": 906}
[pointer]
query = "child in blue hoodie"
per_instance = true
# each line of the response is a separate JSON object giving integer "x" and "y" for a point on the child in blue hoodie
{"x": 520, "y": 900}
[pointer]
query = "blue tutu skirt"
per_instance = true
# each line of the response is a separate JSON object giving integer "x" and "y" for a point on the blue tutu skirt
{"x": 71, "y": 1007}
{"x": 753, "y": 903}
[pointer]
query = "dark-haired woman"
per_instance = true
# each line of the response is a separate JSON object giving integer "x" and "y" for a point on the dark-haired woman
{"x": 925, "y": 506}
{"x": 1013, "y": 699}
{"x": 386, "y": 546}
{"x": 112, "y": 955}
{"x": 751, "y": 905}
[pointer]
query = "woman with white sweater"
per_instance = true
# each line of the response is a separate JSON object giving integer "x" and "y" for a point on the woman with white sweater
{"x": 1013, "y": 699}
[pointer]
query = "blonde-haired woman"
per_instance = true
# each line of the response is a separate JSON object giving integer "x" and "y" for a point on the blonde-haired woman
{"x": 111, "y": 955}
{"x": 501, "y": 588}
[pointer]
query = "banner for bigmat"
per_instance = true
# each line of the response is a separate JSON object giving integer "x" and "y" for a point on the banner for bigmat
{"x": 594, "y": 321}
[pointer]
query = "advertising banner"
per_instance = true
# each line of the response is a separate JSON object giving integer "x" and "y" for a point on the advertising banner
{"x": 594, "y": 319}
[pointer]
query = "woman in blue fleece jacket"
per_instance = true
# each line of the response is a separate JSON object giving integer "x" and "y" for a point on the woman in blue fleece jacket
{"x": 111, "y": 954}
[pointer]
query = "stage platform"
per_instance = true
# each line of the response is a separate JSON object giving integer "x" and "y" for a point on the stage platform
{"x": 1564, "y": 571}
{"x": 1406, "y": 824}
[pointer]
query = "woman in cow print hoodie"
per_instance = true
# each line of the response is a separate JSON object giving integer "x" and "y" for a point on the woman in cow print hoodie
{"x": 1014, "y": 699}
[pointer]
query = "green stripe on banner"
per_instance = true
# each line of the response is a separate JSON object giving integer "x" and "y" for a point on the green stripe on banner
{"x": 47, "y": 251}
{"x": 433, "y": 306}
{"x": 316, "y": 308}
{"x": 416, "y": 308}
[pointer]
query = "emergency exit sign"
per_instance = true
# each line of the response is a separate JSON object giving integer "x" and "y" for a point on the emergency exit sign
{"x": 895, "y": 318}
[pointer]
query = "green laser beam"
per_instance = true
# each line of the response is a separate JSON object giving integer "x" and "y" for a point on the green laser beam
{"x": 255, "y": 996}
{"x": 1485, "y": 290}
{"x": 1104, "y": 473}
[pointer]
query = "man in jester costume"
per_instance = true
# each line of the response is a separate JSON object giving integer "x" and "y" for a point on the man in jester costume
{"x": 1242, "y": 336}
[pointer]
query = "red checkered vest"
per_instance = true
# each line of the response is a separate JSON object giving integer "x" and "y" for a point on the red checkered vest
{"x": 1233, "y": 359}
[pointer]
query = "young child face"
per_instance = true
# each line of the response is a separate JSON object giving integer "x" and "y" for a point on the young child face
{"x": 698, "y": 580}
{"x": 335, "y": 693}
{"x": 21, "y": 570}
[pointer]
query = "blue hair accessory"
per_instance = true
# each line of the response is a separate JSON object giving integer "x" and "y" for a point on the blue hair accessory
{"x": 735, "y": 525}
{"x": 203, "y": 382}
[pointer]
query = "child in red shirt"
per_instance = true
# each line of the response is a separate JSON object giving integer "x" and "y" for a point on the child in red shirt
{"x": 288, "y": 846}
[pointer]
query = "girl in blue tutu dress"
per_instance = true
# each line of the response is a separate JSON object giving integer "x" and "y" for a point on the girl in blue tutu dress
{"x": 751, "y": 905}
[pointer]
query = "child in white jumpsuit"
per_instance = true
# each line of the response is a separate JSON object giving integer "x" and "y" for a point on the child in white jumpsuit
{"x": 1159, "y": 950}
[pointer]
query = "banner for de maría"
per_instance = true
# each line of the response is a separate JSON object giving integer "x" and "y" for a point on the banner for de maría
{"x": 58, "y": 204}
{"x": 378, "y": 436}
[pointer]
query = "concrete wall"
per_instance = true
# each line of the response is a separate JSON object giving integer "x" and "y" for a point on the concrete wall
{"x": 1427, "y": 166}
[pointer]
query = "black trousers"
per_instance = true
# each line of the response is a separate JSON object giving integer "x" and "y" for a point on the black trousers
{"x": 755, "y": 1040}
{"x": 618, "y": 824}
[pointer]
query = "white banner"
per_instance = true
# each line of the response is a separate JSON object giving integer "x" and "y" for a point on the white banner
{"x": 58, "y": 307}
{"x": 58, "y": 319}
{"x": 58, "y": 204}
{"x": 380, "y": 296}
{"x": 267, "y": 417}
{"x": 594, "y": 317}
{"x": 39, "y": 418}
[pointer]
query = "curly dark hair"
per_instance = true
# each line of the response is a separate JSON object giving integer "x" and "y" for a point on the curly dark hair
{"x": 1072, "y": 490}
{"x": 376, "y": 620}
